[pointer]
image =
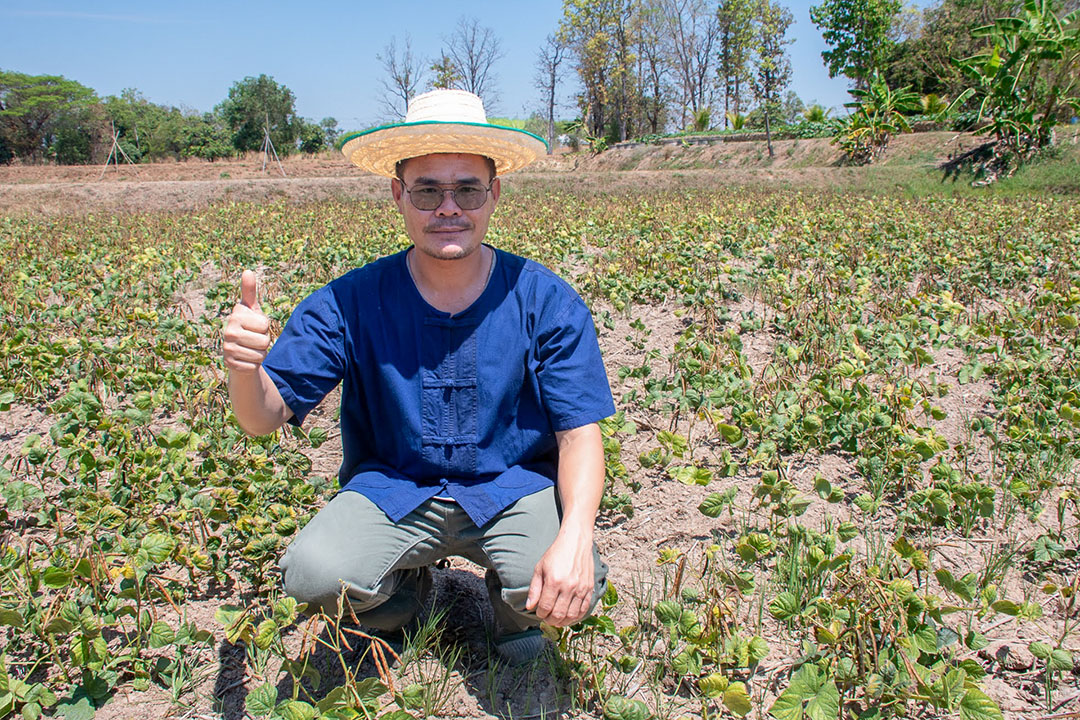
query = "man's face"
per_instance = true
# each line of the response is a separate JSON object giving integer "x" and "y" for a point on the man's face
{"x": 447, "y": 232}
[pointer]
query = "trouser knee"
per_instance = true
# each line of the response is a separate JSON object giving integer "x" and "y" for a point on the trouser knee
{"x": 325, "y": 584}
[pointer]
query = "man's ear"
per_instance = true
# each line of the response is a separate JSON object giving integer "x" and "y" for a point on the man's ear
{"x": 397, "y": 189}
{"x": 496, "y": 186}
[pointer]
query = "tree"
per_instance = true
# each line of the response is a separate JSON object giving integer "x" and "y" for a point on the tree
{"x": 654, "y": 66}
{"x": 444, "y": 74}
{"x": 858, "y": 33}
{"x": 1025, "y": 82}
{"x": 735, "y": 39}
{"x": 879, "y": 113}
{"x": 32, "y": 105}
{"x": 551, "y": 55}
{"x": 473, "y": 51}
{"x": 204, "y": 136}
{"x": 256, "y": 103}
{"x": 312, "y": 137}
{"x": 585, "y": 27}
{"x": 330, "y": 129}
{"x": 772, "y": 69}
{"x": 693, "y": 30}
{"x": 923, "y": 56}
{"x": 404, "y": 76}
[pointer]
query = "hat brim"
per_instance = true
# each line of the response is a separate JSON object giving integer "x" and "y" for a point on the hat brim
{"x": 380, "y": 149}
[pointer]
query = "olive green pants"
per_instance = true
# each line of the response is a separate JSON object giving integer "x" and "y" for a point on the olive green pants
{"x": 352, "y": 544}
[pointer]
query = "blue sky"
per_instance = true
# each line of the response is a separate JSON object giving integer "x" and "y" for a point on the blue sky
{"x": 188, "y": 54}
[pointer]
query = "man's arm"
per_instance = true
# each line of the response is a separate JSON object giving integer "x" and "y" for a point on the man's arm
{"x": 562, "y": 584}
{"x": 255, "y": 399}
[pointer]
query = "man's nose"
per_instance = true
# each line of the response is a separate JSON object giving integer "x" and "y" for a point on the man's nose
{"x": 449, "y": 205}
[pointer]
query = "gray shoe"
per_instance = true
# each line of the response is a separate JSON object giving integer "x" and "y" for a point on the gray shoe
{"x": 521, "y": 647}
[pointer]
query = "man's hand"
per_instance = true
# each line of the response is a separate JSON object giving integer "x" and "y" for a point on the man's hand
{"x": 247, "y": 330}
{"x": 562, "y": 585}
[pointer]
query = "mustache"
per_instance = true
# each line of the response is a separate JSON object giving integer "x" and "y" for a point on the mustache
{"x": 441, "y": 225}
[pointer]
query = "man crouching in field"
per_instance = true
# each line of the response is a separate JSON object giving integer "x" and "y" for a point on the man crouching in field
{"x": 472, "y": 388}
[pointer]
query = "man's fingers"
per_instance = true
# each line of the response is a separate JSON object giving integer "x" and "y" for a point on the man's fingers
{"x": 250, "y": 319}
{"x": 248, "y": 292}
{"x": 243, "y": 337}
{"x": 535, "y": 589}
{"x": 244, "y": 354}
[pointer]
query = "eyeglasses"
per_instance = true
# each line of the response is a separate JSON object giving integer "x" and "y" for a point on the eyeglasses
{"x": 430, "y": 197}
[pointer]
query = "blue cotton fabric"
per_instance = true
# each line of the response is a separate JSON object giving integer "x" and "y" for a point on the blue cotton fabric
{"x": 464, "y": 406}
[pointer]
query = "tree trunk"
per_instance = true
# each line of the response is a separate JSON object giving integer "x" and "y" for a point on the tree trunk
{"x": 768, "y": 133}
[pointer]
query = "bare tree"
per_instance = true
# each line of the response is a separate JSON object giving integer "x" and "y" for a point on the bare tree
{"x": 693, "y": 30}
{"x": 404, "y": 76}
{"x": 474, "y": 51}
{"x": 551, "y": 55}
{"x": 653, "y": 65}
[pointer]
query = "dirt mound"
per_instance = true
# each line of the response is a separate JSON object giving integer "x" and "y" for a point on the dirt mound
{"x": 918, "y": 148}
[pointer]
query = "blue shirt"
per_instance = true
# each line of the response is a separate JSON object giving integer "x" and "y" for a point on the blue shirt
{"x": 433, "y": 404}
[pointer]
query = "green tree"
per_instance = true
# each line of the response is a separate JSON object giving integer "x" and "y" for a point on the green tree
{"x": 32, "y": 105}
{"x": 857, "y": 31}
{"x": 312, "y": 137}
{"x": 75, "y": 133}
{"x": 444, "y": 74}
{"x": 923, "y": 57}
{"x": 1025, "y": 83}
{"x": 205, "y": 137}
{"x": 331, "y": 129}
{"x": 255, "y": 103}
{"x": 772, "y": 68}
{"x": 879, "y": 113}
{"x": 735, "y": 41}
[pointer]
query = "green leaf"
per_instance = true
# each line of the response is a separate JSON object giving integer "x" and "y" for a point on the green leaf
{"x": 413, "y": 696}
{"x": 285, "y": 611}
{"x": 690, "y": 475}
{"x": 620, "y": 708}
{"x": 715, "y": 503}
{"x": 757, "y": 650}
{"x": 977, "y": 706}
{"x": 1061, "y": 659}
{"x": 713, "y": 685}
{"x": 847, "y": 530}
{"x": 737, "y": 700}
{"x": 784, "y": 606}
{"x": 370, "y": 689}
{"x": 76, "y": 707}
{"x": 158, "y": 546}
{"x": 730, "y": 433}
{"x": 811, "y": 693}
{"x": 161, "y": 635}
{"x": 56, "y": 577}
{"x": 1006, "y": 607}
{"x": 265, "y": 634}
{"x": 19, "y": 493}
{"x": 262, "y": 700}
{"x": 668, "y": 612}
{"x": 295, "y": 710}
{"x": 1040, "y": 650}
{"x": 11, "y": 618}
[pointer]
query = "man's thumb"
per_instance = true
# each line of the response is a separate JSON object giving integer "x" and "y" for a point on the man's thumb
{"x": 248, "y": 296}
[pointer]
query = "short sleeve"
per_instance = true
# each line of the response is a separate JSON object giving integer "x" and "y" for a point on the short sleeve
{"x": 308, "y": 360}
{"x": 570, "y": 372}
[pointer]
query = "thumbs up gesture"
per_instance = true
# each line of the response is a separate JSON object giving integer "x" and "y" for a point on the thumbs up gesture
{"x": 247, "y": 330}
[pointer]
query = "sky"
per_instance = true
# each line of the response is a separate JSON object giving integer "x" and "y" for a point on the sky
{"x": 188, "y": 54}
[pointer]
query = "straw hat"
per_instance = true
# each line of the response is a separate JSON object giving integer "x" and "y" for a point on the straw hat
{"x": 442, "y": 121}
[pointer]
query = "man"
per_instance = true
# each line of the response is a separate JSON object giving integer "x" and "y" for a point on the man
{"x": 472, "y": 388}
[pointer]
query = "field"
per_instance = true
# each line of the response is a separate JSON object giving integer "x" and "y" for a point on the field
{"x": 842, "y": 479}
